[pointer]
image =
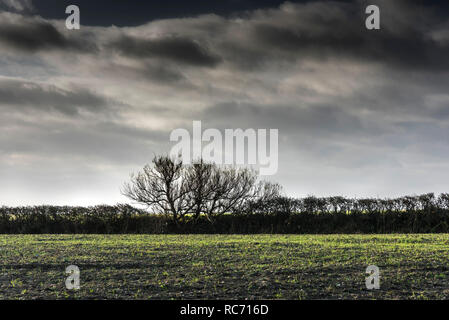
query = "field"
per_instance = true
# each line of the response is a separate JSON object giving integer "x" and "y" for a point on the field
{"x": 224, "y": 267}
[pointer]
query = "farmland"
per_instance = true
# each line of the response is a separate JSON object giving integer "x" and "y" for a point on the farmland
{"x": 224, "y": 266}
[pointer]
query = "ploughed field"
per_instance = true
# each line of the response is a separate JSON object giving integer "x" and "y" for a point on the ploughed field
{"x": 224, "y": 266}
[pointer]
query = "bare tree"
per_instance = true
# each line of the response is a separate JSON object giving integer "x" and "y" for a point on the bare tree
{"x": 196, "y": 189}
{"x": 161, "y": 187}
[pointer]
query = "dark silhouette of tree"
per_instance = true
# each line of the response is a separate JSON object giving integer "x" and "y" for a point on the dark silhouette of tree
{"x": 188, "y": 191}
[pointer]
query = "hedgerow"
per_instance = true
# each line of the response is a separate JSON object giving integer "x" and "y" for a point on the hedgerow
{"x": 311, "y": 215}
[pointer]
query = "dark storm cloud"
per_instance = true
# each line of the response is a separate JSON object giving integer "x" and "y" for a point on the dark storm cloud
{"x": 177, "y": 49}
{"x": 31, "y": 35}
{"x": 29, "y": 95}
{"x": 321, "y": 30}
{"x": 314, "y": 30}
{"x": 359, "y": 112}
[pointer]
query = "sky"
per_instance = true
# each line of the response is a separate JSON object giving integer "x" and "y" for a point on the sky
{"x": 360, "y": 113}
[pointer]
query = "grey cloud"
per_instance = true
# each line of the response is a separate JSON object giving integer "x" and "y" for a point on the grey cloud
{"x": 396, "y": 99}
{"x": 32, "y": 35}
{"x": 152, "y": 72}
{"x": 99, "y": 142}
{"x": 178, "y": 49}
{"x": 30, "y": 95}
{"x": 316, "y": 121}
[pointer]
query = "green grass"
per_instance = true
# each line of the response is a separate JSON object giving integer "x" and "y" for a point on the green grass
{"x": 224, "y": 267}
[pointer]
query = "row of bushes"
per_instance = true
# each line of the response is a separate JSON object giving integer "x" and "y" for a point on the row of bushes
{"x": 412, "y": 214}
{"x": 94, "y": 220}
